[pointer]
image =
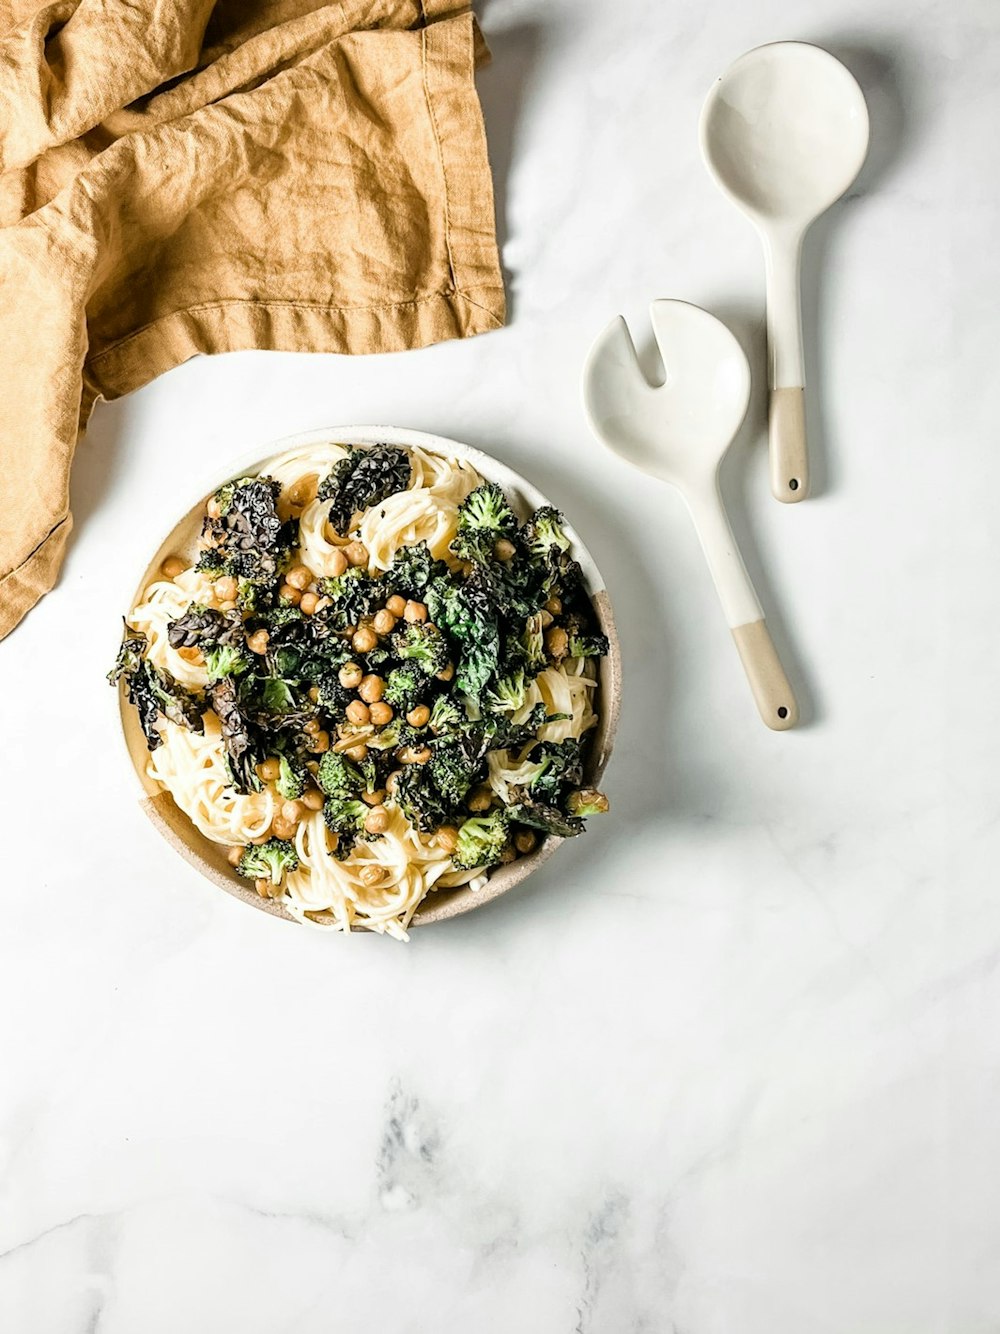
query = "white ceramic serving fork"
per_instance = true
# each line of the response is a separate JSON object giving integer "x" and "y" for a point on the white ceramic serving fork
{"x": 680, "y": 431}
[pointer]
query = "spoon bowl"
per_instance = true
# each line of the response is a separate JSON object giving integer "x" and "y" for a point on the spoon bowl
{"x": 784, "y": 132}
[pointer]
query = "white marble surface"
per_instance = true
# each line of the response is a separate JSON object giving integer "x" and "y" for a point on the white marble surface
{"x": 730, "y": 1065}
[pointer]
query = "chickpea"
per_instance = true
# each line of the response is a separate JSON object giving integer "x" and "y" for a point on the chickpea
{"x": 370, "y": 874}
{"x": 446, "y": 672}
{"x": 396, "y": 605}
{"x": 503, "y": 548}
{"x": 300, "y": 577}
{"x": 269, "y": 769}
{"x": 351, "y": 675}
{"x": 213, "y": 509}
{"x": 258, "y": 641}
{"x": 419, "y": 717}
{"x": 336, "y": 560}
{"x": 233, "y": 856}
{"x": 323, "y": 603}
{"x": 554, "y": 605}
{"x": 192, "y": 655}
{"x": 374, "y": 798}
{"x": 479, "y": 799}
{"x": 226, "y": 588}
{"x": 390, "y": 782}
{"x": 377, "y": 820}
{"x": 308, "y": 603}
{"x": 508, "y": 855}
{"x": 303, "y": 492}
{"x": 313, "y": 693}
{"x": 413, "y": 754}
{"x": 172, "y": 567}
{"x": 414, "y": 613}
{"x": 380, "y": 713}
{"x": 312, "y": 800}
{"x": 263, "y": 888}
{"x": 371, "y": 688}
{"x": 227, "y": 606}
{"x": 292, "y": 811}
{"x": 557, "y": 642}
{"x": 289, "y": 594}
{"x": 467, "y": 568}
{"x": 364, "y": 640}
{"x": 525, "y": 841}
{"x": 356, "y": 553}
{"x": 384, "y": 622}
{"x": 311, "y": 727}
{"x": 357, "y": 713}
{"x": 357, "y": 753}
{"x": 282, "y": 828}
{"x": 332, "y": 840}
{"x": 447, "y": 838}
{"x": 320, "y": 743}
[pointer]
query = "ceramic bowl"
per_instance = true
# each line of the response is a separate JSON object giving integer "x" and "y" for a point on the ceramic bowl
{"x": 210, "y": 858}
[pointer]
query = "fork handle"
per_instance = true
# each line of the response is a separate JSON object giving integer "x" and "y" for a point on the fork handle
{"x": 768, "y": 682}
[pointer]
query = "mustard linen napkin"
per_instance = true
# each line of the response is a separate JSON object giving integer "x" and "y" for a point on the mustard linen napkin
{"x": 180, "y": 177}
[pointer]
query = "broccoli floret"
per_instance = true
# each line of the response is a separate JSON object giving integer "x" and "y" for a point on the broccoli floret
{"x": 544, "y": 533}
{"x": 346, "y": 817}
{"x": 446, "y": 714}
{"x": 418, "y": 798}
{"x": 405, "y": 686}
{"x": 586, "y": 802}
{"x": 455, "y": 765}
{"x": 291, "y": 780}
{"x": 338, "y": 777}
{"x": 587, "y": 646}
{"x": 423, "y": 645}
{"x": 483, "y": 518}
{"x": 268, "y": 861}
{"x": 532, "y": 642}
{"x": 561, "y": 768}
{"x": 353, "y": 595}
{"x": 509, "y": 693}
{"x": 363, "y": 478}
{"x": 225, "y": 660}
{"x": 481, "y": 841}
{"x": 540, "y": 815}
{"x": 396, "y": 733}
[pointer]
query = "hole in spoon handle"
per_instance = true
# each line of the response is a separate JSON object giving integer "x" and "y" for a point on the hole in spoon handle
{"x": 771, "y": 691}
{"x": 787, "y": 433}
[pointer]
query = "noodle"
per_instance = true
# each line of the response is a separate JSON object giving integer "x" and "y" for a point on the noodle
{"x": 324, "y": 891}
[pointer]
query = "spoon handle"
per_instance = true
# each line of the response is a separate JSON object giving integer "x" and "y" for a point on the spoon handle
{"x": 786, "y": 375}
{"x": 768, "y": 682}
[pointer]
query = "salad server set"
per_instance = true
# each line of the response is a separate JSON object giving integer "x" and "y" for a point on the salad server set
{"x": 784, "y": 132}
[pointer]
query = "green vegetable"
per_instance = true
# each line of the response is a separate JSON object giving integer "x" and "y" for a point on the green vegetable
{"x": 456, "y": 764}
{"x": 446, "y": 714}
{"x": 481, "y": 841}
{"x": 544, "y": 534}
{"x": 346, "y": 817}
{"x": 200, "y": 626}
{"x": 509, "y": 693}
{"x": 412, "y": 570}
{"x": 539, "y": 815}
{"x": 405, "y": 687}
{"x": 532, "y": 642}
{"x": 291, "y": 780}
{"x": 268, "y": 861}
{"x": 561, "y": 768}
{"x": 153, "y": 692}
{"x": 225, "y": 660}
{"x": 337, "y": 776}
{"x": 587, "y": 646}
{"x": 362, "y": 479}
{"x": 244, "y": 750}
{"x": 418, "y": 798}
{"x": 247, "y": 539}
{"x": 353, "y": 595}
{"x": 483, "y": 518}
{"x": 423, "y": 645}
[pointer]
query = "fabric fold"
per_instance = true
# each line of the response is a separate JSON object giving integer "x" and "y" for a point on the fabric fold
{"x": 312, "y": 178}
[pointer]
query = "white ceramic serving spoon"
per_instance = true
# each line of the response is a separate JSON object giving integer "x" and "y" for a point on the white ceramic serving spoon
{"x": 680, "y": 431}
{"x": 784, "y": 132}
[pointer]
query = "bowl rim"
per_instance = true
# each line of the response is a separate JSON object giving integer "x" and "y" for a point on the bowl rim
{"x": 178, "y": 830}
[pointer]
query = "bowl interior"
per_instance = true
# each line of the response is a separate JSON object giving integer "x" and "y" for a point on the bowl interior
{"x": 210, "y": 858}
